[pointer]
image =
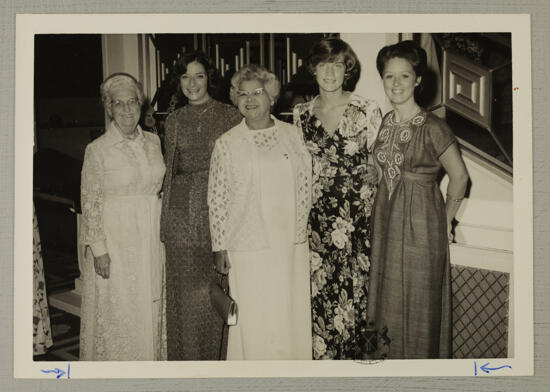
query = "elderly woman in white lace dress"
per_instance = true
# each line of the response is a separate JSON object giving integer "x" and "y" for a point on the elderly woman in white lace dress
{"x": 259, "y": 201}
{"x": 122, "y": 300}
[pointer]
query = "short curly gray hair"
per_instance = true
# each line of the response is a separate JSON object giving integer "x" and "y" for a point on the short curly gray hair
{"x": 116, "y": 80}
{"x": 269, "y": 80}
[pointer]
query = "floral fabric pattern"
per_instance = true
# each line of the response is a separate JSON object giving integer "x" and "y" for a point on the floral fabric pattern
{"x": 339, "y": 226}
{"x": 41, "y": 333}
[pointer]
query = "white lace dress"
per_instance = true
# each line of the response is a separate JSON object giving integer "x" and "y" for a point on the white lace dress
{"x": 271, "y": 286}
{"x": 122, "y": 317}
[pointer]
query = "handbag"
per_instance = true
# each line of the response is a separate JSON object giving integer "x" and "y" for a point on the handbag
{"x": 225, "y": 306}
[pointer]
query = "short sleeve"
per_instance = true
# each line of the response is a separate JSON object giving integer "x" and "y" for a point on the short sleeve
{"x": 441, "y": 136}
{"x": 374, "y": 115}
{"x": 296, "y": 113}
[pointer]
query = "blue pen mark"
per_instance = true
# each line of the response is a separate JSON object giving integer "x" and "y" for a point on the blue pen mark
{"x": 59, "y": 372}
{"x": 485, "y": 368}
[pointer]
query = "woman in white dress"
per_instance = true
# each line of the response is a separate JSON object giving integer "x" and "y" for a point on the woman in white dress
{"x": 122, "y": 312}
{"x": 259, "y": 195}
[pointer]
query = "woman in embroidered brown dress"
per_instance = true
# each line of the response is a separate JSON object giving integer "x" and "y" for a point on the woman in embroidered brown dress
{"x": 409, "y": 302}
{"x": 194, "y": 329}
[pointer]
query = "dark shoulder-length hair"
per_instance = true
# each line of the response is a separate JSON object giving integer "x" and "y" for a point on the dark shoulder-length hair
{"x": 180, "y": 69}
{"x": 328, "y": 50}
{"x": 408, "y": 50}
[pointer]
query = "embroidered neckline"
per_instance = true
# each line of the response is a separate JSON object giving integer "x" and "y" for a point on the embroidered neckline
{"x": 417, "y": 119}
{"x": 393, "y": 137}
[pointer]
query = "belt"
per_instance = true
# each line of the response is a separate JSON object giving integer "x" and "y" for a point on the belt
{"x": 419, "y": 177}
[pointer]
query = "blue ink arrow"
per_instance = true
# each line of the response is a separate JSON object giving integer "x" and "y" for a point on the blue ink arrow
{"x": 57, "y": 371}
{"x": 60, "y": 373}
{"x": 488, "y": 369}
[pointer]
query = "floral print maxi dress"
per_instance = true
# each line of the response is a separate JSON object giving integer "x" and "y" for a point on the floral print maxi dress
{"x": 41, "y": 333}
{"x": 339, "y": 226}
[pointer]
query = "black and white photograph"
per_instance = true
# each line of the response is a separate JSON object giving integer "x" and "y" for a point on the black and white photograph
{"x": 304, "y": 198}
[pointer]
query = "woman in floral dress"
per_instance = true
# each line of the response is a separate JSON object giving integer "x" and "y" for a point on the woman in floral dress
{"x": 42, "y": 336}
{"x": 339, "y": 128}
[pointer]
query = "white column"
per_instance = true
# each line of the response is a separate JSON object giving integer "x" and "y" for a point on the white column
{"x": 123, "y": 53}
{"x": 120, "y": 54}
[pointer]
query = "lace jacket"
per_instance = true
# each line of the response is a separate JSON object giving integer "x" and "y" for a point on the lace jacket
{"x": 234, "y": 197}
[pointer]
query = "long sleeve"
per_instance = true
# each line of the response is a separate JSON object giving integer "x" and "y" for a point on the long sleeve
{"x": 91, "y": 189}
{"x": 218, "y": 196}
{"x": 303, "y": 183}
{"x": 169, "y": 153}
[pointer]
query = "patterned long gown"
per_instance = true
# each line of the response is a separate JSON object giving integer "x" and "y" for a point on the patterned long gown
{"x": 122, "y": 317}
{"x": 194, "y": 329}
{"x": 339, "y": 226}
{"x": 42, "y": 336}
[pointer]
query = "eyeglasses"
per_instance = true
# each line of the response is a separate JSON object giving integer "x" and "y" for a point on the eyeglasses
{"x": 131, "y": 103}
{"x": 254, "y": 93}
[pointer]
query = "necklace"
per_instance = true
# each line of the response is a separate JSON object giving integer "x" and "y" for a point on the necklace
{"x": 200, "y": 115}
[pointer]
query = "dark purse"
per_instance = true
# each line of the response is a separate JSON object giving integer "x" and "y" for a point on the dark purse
{"x": 225, "y": 306}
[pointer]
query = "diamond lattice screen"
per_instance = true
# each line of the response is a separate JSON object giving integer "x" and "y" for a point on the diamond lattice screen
{"x": 480, "y": 313}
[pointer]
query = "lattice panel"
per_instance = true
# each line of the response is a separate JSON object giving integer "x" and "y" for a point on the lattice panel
{"x": 480, "y": 313}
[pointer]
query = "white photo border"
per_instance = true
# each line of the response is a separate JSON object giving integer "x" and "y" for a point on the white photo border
{"x": 27, "y": 25}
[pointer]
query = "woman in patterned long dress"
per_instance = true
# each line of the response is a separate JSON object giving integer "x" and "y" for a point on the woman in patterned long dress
{"x": 194, "y": 328}
{"x": 42, "y": 335}
{"x": 339, "y": 128}
{"x": 259, "y": 198}
{"x": 122, "y": 312}
{"x": 410, "y": 287}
